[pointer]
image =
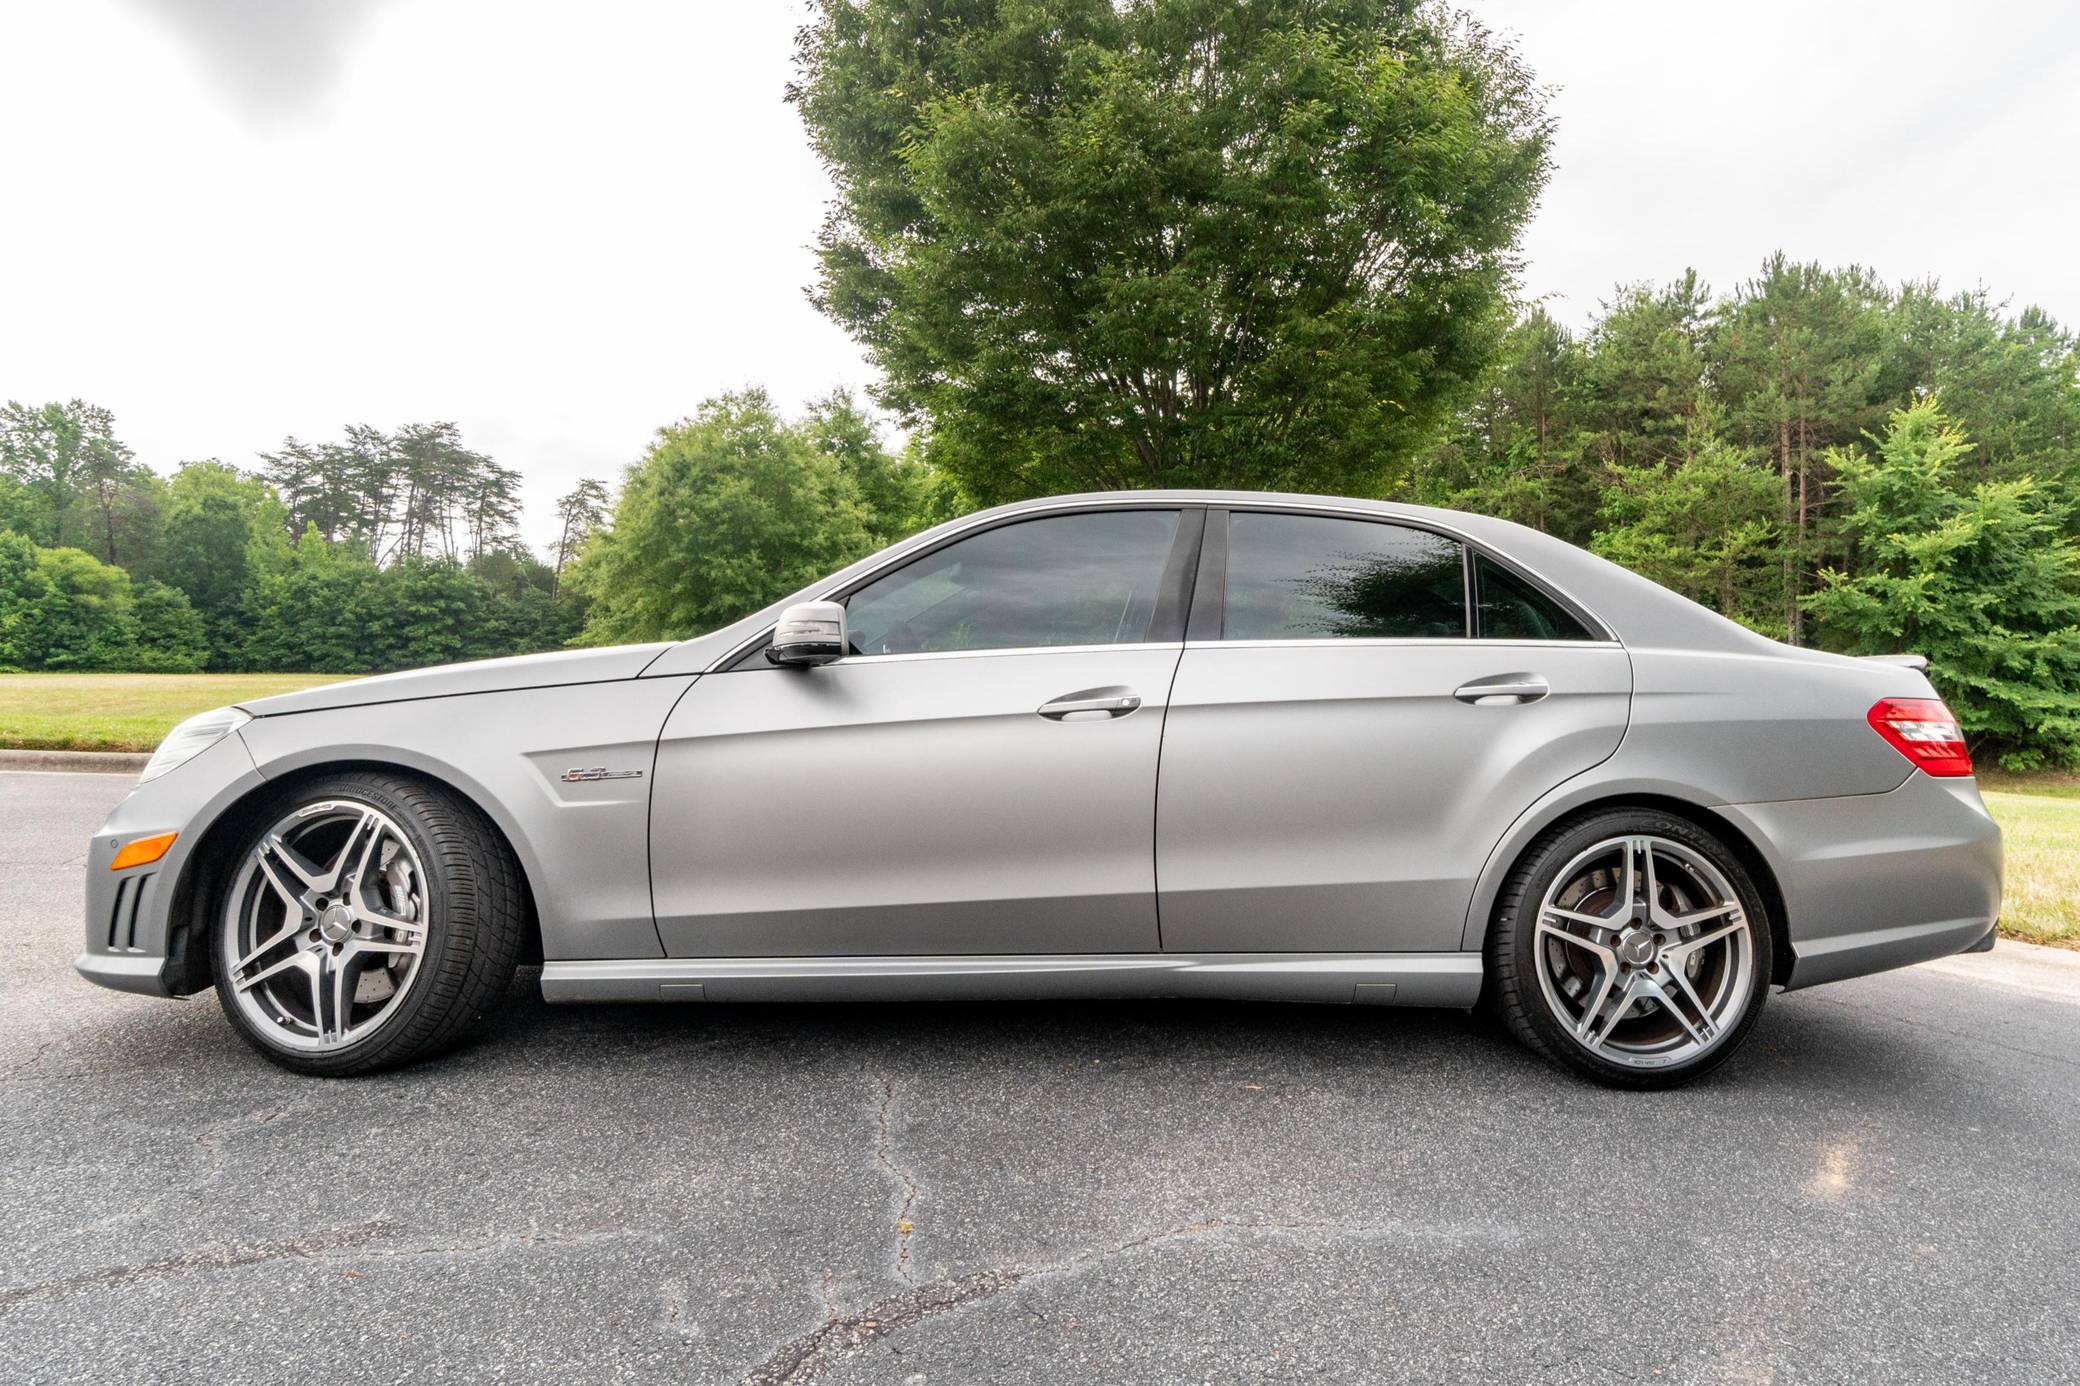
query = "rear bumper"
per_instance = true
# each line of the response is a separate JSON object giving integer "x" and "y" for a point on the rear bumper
{"x": 1878, "y": 881}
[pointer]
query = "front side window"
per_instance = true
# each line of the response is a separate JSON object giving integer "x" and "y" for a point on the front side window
{"x": 1090, "y": 579}
{"x": 1311, "y": 577}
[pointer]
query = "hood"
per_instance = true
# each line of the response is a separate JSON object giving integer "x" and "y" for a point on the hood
{"x": 480, "y": 676}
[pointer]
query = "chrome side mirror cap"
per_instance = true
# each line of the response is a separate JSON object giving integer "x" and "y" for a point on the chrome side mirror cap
{"x": 808, "y": 634}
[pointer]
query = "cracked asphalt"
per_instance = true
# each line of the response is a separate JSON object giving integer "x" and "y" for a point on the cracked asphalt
{"x": 1884, "y": 1186}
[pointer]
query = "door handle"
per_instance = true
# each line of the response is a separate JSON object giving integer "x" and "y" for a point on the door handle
{"x": 1504, "y": 690}
{"x": 1106, "y": 702}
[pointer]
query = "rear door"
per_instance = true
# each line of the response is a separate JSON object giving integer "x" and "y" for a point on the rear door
{"x": 977, "y": 777}
{"x": 1362, "y": 708}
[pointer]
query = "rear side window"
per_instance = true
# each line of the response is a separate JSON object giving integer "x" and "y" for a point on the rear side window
{"x": 1512, "y": 609}
{"x": 1312, "y": 577}
{"x": 1088, "y": 579}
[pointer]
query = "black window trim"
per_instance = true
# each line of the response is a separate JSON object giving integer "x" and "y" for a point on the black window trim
{"x": 1174, "y": 594}
{"x": 1208, "y": 618}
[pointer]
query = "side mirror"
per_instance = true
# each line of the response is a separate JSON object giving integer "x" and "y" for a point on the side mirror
{"x": 808, "y": 634}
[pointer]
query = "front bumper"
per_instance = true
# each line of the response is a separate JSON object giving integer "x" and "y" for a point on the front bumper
{"x": 135, "y": 935}
{"x": 1877, "y": 881}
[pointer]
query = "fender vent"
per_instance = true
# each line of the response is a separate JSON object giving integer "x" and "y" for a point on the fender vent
{"x": 122, "y": 917}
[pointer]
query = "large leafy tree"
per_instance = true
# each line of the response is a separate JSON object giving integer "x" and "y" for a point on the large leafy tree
{"x": 221, "y": 532}
{"x": 1104, "y": 243}
{"x": 899, "y": 493}
{"x": 727, "y": 511}
{"x": 1705, "y": 524}
{"x": 1978, "y": 576}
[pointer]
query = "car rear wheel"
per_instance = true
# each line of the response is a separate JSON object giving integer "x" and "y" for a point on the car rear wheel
{"x": 368, "y": 920}
{"x": 1631, "y": 946}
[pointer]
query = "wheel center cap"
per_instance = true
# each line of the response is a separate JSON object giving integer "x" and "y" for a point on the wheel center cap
{"x": 336, "y": 924}
{"x": 1636, "y": 947}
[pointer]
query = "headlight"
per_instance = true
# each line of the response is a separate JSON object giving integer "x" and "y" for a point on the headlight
{"x": 191, "y": 738}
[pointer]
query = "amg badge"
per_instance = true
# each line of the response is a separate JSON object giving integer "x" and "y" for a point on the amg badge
{"x": 599, "y": 772}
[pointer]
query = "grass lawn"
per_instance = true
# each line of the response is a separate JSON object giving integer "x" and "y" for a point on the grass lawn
{"x": 2040, "y": 835}
{"x": 121, "y": 712}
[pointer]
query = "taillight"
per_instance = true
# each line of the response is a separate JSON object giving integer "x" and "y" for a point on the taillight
{"x": 1925, "y": 732}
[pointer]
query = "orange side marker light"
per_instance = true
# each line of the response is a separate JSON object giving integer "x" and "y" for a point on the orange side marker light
{"x": 142, "y": 852}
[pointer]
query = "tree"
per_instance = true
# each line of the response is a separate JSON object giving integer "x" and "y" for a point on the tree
{"x": 87, "y": 618}
{"x": 1979, "y": 577}
{"x": 899, "y": 491}
{"x": 170, "y": 634}
{"x": 68, "y": 456}
{"x": 319, "y": 610}
{"x": 24, "y": 595}
{"x": 221, "y": 532}
{"x": 579, "y": 511}
{"x": 1513, "y": 451}
{"x": 1800, "y": 358}
{"x": 431, "y": 612}
{"x": 1099, "y": 244}
{"x": 1643, "y": 373}
{"x": 727, "y": 511}
{"x": 1704, "y": 524}
{"x": 2012, "y": 384}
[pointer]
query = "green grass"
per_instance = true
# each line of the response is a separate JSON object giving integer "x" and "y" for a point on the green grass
{"x": 2053, "y": 784}
{"x": 121, "y": 712}
{"x": 2040, "y": 835}
{"x": 2039, "y": 814}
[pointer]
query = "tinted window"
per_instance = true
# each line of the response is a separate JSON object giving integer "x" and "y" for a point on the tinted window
{"x": 1069, "y": 580}
{"x": 1293, "y": 577}
{"x": 1512, "y": 609}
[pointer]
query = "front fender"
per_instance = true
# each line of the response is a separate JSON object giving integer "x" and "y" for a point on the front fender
{"x": 584, "y": 846}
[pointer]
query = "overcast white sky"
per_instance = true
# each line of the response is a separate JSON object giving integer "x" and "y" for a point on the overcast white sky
{"x": 563, "y": 225}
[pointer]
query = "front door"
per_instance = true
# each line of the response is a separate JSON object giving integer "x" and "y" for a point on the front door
{"x": 1352, "y": 736}
{"x": 978, "y": 777}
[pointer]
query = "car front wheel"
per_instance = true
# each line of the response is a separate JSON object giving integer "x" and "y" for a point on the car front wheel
{"x": 1631, "y": 946}
{"x": 369, "y": 919}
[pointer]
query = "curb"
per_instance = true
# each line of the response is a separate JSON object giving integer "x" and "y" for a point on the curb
{"x": 2030, "y": 967}
{"x": 75, "y": 762}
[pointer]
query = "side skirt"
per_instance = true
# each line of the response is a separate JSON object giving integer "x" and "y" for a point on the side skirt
{"x": 1399, "y": 979}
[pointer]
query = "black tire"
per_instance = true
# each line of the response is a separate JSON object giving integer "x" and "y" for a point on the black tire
{"x": 475, "y": 915}
{"x": 1513, "y": 994}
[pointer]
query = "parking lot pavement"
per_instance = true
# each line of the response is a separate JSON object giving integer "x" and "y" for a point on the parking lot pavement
{"x": 1884, "y": 1186}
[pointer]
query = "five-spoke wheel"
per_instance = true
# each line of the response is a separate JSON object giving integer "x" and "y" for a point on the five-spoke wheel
{"x": 366, "y": 920}
{"x": 328, "y": 921}
{"x": 1632, "y": 946}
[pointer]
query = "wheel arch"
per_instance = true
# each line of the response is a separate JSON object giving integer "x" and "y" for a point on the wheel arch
{"x": 1679, "y": 801}
{"x": 190, "y": 967}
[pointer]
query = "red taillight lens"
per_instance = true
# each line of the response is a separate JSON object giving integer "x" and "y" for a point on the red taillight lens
{"x": 1925, "y": 732}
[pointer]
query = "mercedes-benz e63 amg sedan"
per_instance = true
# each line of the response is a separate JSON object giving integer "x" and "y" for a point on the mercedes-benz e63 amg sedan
{"x": 1149, "y": 744}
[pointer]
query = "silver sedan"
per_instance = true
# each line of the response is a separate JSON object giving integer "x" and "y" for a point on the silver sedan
{"x": 1149, "y": 744}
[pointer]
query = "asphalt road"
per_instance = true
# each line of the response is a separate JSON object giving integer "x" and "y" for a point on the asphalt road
{"x": 1885, "y": 1186}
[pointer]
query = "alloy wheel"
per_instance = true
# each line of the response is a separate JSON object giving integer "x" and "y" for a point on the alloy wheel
{"x": 325, "y": 926}
{"x": 1643, "y": 952}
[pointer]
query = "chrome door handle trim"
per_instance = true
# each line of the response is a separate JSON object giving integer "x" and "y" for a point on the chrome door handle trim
{"x": 1506, "y": 692}
{"x": 1118, "y": 706}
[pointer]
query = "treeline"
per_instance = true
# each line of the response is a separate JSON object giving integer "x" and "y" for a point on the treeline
{"x": 382, "y": 551}
{"x": 1824, "y": 458}
{"x": 1699, "y": 438}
